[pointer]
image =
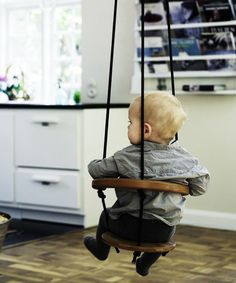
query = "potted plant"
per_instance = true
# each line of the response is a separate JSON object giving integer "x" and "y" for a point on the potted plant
{"x": 4, "y": 223}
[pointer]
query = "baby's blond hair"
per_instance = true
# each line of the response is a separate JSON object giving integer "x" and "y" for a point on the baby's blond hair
{"x": 164, "y": 113}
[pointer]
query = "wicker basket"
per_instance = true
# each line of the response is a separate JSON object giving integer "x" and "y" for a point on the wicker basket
{"x": 4, "y": 227}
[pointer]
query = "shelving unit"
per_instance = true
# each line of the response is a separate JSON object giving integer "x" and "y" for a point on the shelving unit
{"x": 44, "y": 158}
{"x": 197, "y": 77}
{"x": 195, "y": 57}
{"x": 189, "y": 25}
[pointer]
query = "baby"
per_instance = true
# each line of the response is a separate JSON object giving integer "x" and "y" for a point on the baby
{"x": 163, "y": 118}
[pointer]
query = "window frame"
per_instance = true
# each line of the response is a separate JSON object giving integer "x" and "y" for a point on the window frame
{"x": 47, "y": 43}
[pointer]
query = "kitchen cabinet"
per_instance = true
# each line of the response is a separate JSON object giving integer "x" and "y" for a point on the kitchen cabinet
{"x": 44, "y": 158}
{"x": 7, "y": 158}
{"x": 48, "y": 139}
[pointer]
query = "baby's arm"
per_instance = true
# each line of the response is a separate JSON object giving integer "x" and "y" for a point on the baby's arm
{"x": 198, "y": 185}
{"x": 103, "y": 168}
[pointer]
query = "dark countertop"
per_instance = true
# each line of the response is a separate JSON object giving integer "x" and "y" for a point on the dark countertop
{"x": 53, "y": 106}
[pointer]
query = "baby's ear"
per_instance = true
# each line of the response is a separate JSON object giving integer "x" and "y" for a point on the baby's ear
{"x": 147, "y": 130}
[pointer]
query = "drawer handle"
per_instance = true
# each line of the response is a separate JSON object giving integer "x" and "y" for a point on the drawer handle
{"x": 46, "y": 183}
{"x": 46, "y": 180}
{"x": 45, "y": 122}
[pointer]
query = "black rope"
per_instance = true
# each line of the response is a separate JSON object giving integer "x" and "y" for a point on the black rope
{"x": 103, "y": 196}
{"x": 140, "y": 192}
{"x": 110, "y": 79}
{"x": 100, "y": 191}
{"x": 170, "y": 55}
{"x": 170, "y": 47}
{"x": 136, "y": 254}
{"x": 142, "y": 91}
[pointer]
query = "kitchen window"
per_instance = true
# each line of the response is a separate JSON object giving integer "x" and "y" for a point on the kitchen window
{"x": 41, "y": 48}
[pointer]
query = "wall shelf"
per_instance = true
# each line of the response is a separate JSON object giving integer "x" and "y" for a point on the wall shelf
{"x": 200, "y": 58}
{"x": 194, "y": 93}
{"x": 189, "y": 25}
{"x": 192, "y": 74}
{"x": 184, "y": 58}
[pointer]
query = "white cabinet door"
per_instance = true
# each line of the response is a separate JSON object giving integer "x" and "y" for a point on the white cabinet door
{"x": 47, "y": 139}
{"x": 54, "y": 188}
{"x": 6, "y": 156}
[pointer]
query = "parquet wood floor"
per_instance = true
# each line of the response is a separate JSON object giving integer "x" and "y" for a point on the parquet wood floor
{"x": 201, "y": 256}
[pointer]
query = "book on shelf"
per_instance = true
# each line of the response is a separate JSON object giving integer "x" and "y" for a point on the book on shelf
{"x": 182, "y": 12}
{"x": 217, "y": 43}
{"x": 216, "y": 29}
{"x": 185, "y": 47}
{"x": 153, "y": 47}
{"x": 190, "y": 65}
{"x": 152, "y": 33}
{"x": 154, "y": 14}
{"x": 218, "y": 11}
{"x": 221, "y": 65}
{"x": 215, "y": 11}
{"x": 152, "y": 68}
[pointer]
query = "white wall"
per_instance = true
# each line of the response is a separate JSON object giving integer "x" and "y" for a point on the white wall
{"x": 210, "y": 132}
{"x": 93, "y": 141}
{"x": 96, "y": 43}
{"x": 2, "y": 39}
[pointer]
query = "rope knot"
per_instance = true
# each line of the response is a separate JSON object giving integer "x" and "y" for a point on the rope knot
{"x": 101, "y": 194}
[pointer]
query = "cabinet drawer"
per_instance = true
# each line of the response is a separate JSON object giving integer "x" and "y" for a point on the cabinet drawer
{"x": 47, "y": 139}
{"x": 52, "y": 188}
{"x": 7, "y": 157}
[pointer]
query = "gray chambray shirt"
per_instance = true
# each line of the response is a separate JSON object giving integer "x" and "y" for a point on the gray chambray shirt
{"x": 162, "y": 162}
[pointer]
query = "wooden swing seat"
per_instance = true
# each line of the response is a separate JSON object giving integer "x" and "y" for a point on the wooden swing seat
{"x": 137, "y": 184}
{"x": 120, "y": 243}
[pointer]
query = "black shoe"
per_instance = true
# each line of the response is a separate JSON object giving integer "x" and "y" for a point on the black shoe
{"x": 140, "y": 269}
{"x": 91, "y": 244}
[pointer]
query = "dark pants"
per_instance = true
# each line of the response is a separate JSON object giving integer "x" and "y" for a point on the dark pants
{"x": 126, "y": 226}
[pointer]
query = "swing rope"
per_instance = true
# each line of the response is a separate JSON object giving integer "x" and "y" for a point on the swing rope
{"x": 100, "y": 191}
{"x": 141, "y": 192}
{"x": 110, "y": 79}
{"x": 170, "y": 55}
{"x": 136, "y": 254}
